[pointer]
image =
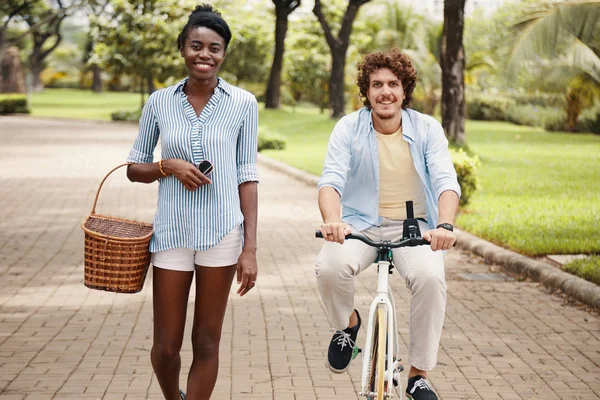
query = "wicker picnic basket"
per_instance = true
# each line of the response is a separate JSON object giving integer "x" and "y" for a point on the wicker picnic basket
{"x": 116, "y": 251}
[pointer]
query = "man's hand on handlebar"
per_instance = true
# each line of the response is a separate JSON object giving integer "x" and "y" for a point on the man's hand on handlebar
{"x": 440, "y": 239}
{"x": 335, "y": 231}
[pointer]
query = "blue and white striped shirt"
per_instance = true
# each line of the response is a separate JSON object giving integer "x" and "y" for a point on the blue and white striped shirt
{"x": 226, "y": 134}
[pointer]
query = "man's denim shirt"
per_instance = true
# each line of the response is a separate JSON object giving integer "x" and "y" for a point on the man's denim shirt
{"x": 352, "y": 165}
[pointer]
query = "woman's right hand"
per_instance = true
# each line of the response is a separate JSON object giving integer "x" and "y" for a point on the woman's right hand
{"x": 186, "y": 172}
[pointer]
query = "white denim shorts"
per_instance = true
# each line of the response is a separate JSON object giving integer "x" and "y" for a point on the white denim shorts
{"x": 223, "y": 254}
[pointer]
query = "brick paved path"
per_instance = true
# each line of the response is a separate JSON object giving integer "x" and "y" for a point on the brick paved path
{"x": 502, "y": 339}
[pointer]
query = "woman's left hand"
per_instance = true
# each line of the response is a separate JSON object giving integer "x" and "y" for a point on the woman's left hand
{"x": 247, "y": 271}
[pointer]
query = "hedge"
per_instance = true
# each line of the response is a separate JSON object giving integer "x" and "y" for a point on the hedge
{"x": 130, "y": 116}
{"x": 488, "y": 107}
{"x": 270, "y": 141}
{"x": 13, "y": 105}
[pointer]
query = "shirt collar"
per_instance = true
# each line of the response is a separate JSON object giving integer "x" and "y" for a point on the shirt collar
{"x": 221, "y": 85}
{"x": 407, "y": 130}
{"x": 407, "y": 127}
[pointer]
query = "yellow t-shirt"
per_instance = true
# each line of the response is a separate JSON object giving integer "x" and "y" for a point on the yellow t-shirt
{"x": 398, "y": 178}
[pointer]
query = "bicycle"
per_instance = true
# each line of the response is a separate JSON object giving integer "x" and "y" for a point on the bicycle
{"x": 376, "y": 376}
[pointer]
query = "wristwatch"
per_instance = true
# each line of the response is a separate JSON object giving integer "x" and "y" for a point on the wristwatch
{"x": 446, "y": 226}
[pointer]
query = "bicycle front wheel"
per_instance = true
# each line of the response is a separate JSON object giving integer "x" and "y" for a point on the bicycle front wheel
{"x": 377, "y": 370}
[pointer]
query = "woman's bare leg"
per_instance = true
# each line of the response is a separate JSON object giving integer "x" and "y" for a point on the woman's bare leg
{"x": 212, "y": 292}
{"x": 171, "y": 290}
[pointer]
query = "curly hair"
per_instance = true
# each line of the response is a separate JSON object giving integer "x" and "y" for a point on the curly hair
{"x": 395, "y": 61}
{"x": 206, "y": 16}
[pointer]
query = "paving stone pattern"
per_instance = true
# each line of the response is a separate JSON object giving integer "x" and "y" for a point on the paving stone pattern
{"x": 503, "y": 339}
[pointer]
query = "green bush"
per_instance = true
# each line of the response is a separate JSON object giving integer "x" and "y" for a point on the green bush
{"x": 466, "y": 171}
{"x": 13, "y": 104}
{"x": 539, "y": 99}
{"x": 488, "y": 107}
{"x": 589, "y": 121}
{"x": 556, "y": 124}
{"x": 532, "y": 115}
{"x": 129, "y": 116}
{"x": 270, "y": 141}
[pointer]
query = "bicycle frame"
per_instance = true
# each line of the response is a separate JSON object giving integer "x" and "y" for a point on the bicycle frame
{"x": 385, "y": 299}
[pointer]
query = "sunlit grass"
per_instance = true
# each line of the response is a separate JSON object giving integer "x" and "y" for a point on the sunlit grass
{"x": 539, "y": 191}
{"x": 82, "y": 104}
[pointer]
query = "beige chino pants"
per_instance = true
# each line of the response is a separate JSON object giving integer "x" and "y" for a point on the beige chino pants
{"x": 422, "y": 269}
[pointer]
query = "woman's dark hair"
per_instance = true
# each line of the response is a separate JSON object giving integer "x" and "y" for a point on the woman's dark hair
{"x": 395, "y": 61}
{"x": 205, "y": 16}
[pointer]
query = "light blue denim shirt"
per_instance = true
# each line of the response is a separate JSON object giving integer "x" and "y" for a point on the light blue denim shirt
{"x": 352, "y": 165}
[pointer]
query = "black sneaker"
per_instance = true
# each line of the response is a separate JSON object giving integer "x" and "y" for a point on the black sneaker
{"x": 181, "y": 394}
{"x": 418, "y": 388}
{"x": 343, "y": 348}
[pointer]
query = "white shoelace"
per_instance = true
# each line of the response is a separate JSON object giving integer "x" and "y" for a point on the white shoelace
{"x": 343, "y": 340}
{"x": 421, "y": 384}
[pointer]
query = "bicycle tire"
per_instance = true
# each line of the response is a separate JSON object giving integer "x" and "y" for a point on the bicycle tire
{"x": 377, "y": 364}
{"x": 381, "y": 343}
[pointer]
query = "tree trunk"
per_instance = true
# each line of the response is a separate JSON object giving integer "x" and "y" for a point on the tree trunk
{"x": 338, "y": 46}
{"x": 142, "y": 86}
{"x": 453, "y": 69}
{"x": 336, "y": 82}
{"x": 273, "y": 94}
{"x": 574, "y": 104}
{"x": 150, "y": 82}
{"x": 36, "y": 69}
{"x": 96, "y": 79}
{"x": 41, "y": 49}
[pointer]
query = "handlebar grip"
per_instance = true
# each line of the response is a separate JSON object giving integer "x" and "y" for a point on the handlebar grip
{"x": 418, "y": 242}
{"x": 319, "y": 235}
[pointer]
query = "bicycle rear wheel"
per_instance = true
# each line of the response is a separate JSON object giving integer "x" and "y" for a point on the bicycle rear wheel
{"x": 377, "y": 382}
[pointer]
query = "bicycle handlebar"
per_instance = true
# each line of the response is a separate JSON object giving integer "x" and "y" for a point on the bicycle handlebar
{"x": 411, "y": 242}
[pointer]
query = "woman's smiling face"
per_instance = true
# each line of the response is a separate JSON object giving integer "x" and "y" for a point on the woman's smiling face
{"x": 203, "y": 52}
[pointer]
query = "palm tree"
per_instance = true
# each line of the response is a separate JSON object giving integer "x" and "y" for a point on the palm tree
{"x": 429, "y": 73}
{"x": 476, "y": 62}
{"x": 400, "y": 28}
{"x": 563, "y": 40}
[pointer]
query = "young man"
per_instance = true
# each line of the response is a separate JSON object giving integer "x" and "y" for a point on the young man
{"x": 379, "y": 157}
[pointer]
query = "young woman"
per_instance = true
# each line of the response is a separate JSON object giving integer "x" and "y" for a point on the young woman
{"x": 207, "y": 202}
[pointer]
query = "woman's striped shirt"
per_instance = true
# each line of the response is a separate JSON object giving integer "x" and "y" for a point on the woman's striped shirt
{"x": 226, "y": 134}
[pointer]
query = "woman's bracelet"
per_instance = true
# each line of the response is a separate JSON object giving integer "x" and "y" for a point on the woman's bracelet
{"x": 162, "y": 171}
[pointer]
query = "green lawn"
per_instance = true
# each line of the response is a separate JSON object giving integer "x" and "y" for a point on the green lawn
{"x": 587, "y": 268}
{"x": 69, "y": 103}
{"x": 539, "y": 191}
{"x": 307, "y": 132}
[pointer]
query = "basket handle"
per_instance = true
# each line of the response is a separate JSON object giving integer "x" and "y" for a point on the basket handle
{"x": 102, "y": 183}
